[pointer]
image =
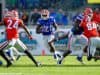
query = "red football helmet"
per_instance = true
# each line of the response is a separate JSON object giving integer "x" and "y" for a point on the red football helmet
{"x": 88, "y": 11}
{"x": 45, "y": 14}
{"x": 15, "y": 14}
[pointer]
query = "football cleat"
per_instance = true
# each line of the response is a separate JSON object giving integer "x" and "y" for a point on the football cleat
{"x": 54, "y": 56}
{"x": 38, "y": 64}
{"x": 80, "y": 60}
{"x": 89, "y": 57}
{"x": 9, "y": 64}
{"x": 59, "y": 61}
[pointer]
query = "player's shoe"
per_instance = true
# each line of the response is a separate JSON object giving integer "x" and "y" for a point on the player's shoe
{"x": 38, "y": 64}
{"x": 80, "y": 60}
{"x": 59, "y": 56}
{"x": 59, "y": 59}
{"x": 89, "y": 57}
{"x": 96, "y": 58}
{"x": 9, "y": 64}
{"x": 54, "y": 56}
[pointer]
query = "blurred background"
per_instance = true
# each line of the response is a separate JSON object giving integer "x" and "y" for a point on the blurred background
{"x": 64, "y": 11}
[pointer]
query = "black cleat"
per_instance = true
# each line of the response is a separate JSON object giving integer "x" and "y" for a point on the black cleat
{"x": 80, "y": 60}
{"x": 59, "y": 62}
{"x": 38, "y": 64}
{"x": 9, "y": 64}
{"x": 54, "y": 56}
{"x": 89, "y": 58}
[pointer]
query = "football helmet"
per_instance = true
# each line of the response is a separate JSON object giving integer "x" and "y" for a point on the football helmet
{"x": 15, "y": 14}
{"x": 89, "y": 12}
{"x": 45, "y": 14}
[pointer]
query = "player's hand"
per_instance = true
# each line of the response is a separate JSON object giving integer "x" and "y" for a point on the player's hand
{"x": 30, "y": 37}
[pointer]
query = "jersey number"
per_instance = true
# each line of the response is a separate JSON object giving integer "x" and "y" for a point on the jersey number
{"x": 46, "y": 29}
{"x": 12, "y": 25}
{"x": 91, "y": 26}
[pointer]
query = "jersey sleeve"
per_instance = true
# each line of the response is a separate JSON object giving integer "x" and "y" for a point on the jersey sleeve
{"x": 53, "y": 19}
{"x": 39, "y": 22}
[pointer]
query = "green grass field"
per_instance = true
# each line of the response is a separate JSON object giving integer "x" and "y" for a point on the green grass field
{"x": 70, "y": 66}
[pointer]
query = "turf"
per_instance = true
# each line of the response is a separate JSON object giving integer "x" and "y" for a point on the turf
{"x": 70, "y": 66}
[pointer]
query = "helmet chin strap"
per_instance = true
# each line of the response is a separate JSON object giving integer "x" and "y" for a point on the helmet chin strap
{"x": 45, "y": 18}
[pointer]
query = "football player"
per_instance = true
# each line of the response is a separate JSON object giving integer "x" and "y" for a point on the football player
{"x": 91, "y": 32}
{"x": 76, "y": 40}
{"x": 12, "y": 25}
{"x": 46, "y": 25}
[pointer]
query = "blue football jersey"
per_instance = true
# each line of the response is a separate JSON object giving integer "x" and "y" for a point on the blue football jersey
{"x": 47, "y": 25}
{"x": 77, "y": 30}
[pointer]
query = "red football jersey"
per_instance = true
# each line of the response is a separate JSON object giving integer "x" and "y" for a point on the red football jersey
{"x": 96, "y": 18}
{"x": 90, "y": 28}
{"x": 12, "y": 25}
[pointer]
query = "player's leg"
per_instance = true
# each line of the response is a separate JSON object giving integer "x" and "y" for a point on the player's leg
{"x": 52, "y": 47}
{"x": 9, "y": 63}
{"x": 10, "y": 49}
{"x": 27, "y": 52}
{"x": 66, "y": 52}
{"x": 11, "y": 44}
{"x": 2, "y": 47}
{"x": 70, "y": 44}
{"x": 11, "y": 52}
{"x": 83, "y": 42}
{"x": 97, "y": 54}
{"x": 50, "y": 43}
{"x": 14, "y": 50}
{"x": 93, "y": 44}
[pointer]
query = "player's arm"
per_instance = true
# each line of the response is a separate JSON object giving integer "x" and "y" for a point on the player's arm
{"x": 55, "y": 25}
{"x": 26, "y": 29}
{"x": 38, "y": 29}
{"x": 60, "y": 37}
{"x": 2, "y": 22}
